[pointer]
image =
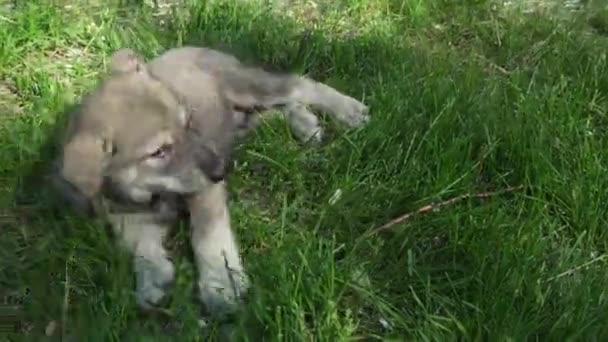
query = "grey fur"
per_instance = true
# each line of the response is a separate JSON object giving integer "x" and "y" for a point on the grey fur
{"x": 153, "y": 139}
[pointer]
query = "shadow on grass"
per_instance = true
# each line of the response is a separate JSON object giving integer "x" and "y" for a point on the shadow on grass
{"x": 59, "y": 241}
{"x": 427, "y": 107}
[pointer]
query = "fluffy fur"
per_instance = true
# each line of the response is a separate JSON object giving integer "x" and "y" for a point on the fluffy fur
{"x": 155, "y": 137}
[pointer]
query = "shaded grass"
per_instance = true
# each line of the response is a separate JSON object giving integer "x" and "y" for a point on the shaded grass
{"x": 464, "y": 99}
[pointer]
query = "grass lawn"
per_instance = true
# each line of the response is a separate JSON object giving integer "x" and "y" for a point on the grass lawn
{"x": 465, "y": 97}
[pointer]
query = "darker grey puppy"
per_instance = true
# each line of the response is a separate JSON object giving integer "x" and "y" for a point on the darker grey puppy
{"x": 152, "y": 135}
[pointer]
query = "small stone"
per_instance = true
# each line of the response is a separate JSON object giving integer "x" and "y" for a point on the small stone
{"x": 50, "y": 328}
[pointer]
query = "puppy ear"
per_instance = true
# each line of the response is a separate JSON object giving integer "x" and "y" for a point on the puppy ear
{"x": 84, "y": 159}
{"x": 126, "y": 60}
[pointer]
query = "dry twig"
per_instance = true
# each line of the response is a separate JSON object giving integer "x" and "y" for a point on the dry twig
{"x": 439, "y": 205}
{"x": 578, "y": 268}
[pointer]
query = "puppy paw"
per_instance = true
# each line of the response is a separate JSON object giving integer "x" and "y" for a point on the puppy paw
{"x": 221, "y": 290}
{"x": 352, "y": 112}
{"x": 153, "y": 277}
{"x": 304, "y": 124}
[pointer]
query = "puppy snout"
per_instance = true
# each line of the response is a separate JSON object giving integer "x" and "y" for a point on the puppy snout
{"x": 215, "y": 173}
{"x": 211, "y": 164}
{"x": 216, "y": 178}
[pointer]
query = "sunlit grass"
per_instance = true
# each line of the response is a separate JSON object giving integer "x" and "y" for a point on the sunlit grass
{"x": 464, "y": 98}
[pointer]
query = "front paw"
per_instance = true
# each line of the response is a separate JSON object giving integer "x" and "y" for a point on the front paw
{"x": 222, "y": 289}
{"x": 352, "y": 112}
{"x": 153, "y": 277}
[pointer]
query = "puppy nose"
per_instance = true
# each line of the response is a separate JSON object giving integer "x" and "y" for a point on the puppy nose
{"x": 215, "y": 173}
{"x": 216, "y": 178}
{"x": 211, "y": 164}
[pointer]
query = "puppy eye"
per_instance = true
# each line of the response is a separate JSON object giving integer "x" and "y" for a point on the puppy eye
{"x": 162, "y": 151}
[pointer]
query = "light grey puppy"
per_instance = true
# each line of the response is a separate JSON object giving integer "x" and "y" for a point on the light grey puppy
{"x": 153, "y": 135}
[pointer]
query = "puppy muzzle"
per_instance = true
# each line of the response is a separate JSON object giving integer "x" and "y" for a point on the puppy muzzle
{"x": 208, "y": 160}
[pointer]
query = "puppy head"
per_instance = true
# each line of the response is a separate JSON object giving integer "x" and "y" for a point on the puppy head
{"x": 131, "y": 139}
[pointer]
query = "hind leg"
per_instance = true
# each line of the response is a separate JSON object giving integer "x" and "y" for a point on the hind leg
{"x": 258, "y": 91}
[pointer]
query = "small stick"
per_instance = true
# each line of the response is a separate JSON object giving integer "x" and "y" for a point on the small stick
{"x": 438, "y": 205}
{"x": 578, "y": 268}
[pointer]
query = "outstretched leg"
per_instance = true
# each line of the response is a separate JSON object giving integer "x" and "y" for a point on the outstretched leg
{"x": 143, "y": 238}
{"x": 258, "y": 90}
{"x": 221, "y": 279}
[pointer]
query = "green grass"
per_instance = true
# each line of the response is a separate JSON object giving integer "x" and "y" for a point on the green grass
{"x": 465, "y": 97}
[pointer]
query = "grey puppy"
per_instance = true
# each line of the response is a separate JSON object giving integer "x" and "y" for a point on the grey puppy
{"x": 153, "y": 135}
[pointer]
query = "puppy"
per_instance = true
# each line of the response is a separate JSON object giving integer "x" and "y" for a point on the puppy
{"x": 154, "y": 138}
